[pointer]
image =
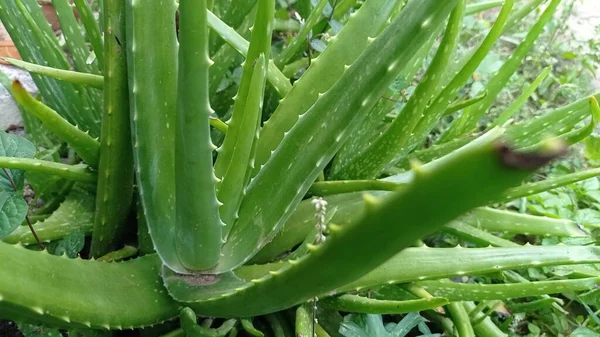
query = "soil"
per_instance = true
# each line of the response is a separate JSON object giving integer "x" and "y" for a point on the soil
{"x": 9, "y": 329}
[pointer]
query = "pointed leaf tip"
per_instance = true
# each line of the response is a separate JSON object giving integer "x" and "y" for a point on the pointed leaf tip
{"x": 550, "y": 150}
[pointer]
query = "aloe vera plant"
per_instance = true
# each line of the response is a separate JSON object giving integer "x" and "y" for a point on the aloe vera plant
{"x": 210, "y": 213}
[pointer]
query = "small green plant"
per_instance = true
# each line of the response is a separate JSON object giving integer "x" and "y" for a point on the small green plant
{"x": 194, "y": 212}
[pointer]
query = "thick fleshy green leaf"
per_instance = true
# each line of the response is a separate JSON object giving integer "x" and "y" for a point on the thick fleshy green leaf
{"x": 319, "y": 133}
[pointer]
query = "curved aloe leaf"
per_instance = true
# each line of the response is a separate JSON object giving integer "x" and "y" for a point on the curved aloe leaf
{"x": 290, "y": 51}
{"x": 92, "y": 29}
{"x": 115, "y": 171}
{"x": 34, "y": 46}
{"x": 321, "y": 131}
{"x": 323, "y": 73}
{"x": 454, "y": 291}
{"x": 460, "y": 317}
{"x": 512, "y": 222}
{"x": 274, "y": 75}
{"x": 139, "y": 300}
{"x": 457, "y": 106}
{"x": 372, "y": 126}
{"x": 467, "y": 122}
{"x": 477, "y": 7}
{"x": 522, "y": 99}
{"x": 136, "y": 303}
{"x": 222, "y": 293}
{"x": 74, "y": 38}
{"x": 87, "y": 147}
{"x": 555, "y": 123}
{"x": 485, "y": 326}
{"x": 188, "y": 318}
{"x": 197, "y": 229}
{"x": 92, "y": 80}
{"x": 388, "y": 156}
{"x": 72, "y": 172}
{"x": 372, "y": 161}
{"x": 354, "y": 303}
{"x": 576, "y": 136}
{"x": 153, "y": 129}
{"x": 236, "y": 155}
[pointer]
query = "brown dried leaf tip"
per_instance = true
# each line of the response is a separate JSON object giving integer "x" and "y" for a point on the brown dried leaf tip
{"x": 550, "y": 150}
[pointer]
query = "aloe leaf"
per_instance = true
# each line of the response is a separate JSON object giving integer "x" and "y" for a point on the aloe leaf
{"x": 92, "y": 29}
{"x": 47, "y": 41}
{"x": 371, "y": 127}
{"x": 92, "y": 80}
{"x": 454, "y": 291}
{"x": 516, "y": 16}
{"x": 87, "y": 147}
{"x": 324, "y": 188}
{"x": 522, "y": 99}
{"x": 297, "y": 162}
{"x": 323, "y": 73}
{"x": 460, "y": 317}
{"x": 454, "y": 107}
{"x": 236, "y": 155}
{"x": 232, "y": 13}
{"x": 434, "y": 152}
{"x": 483, "y": 238}
{"x": 377, "y": 156}
{"x": 249, "y": 327}
{"x": 467, "y": 122}
{"x": 372, "y": 228}
{"x": 75, "y": 213}
{"x": 304, "y": 320}
{"x": 136, "y": 304}
{"x": 551, "y": 124}
{"x": 531, "y": 306}
{"x": 549, "y": 184}
{"x": 153, "y": 129}
{"x": 72, "y": 172}
{"x": 437, "y": 263}
{"x": 523, "y": 135}
{"x": 13, "y": 210}
{"x": 118, "y": 255}
{"x": 278, "y": 325}
{"x": 576, "y": 136}
{"x": 512, "y": 222}
{"x": 485, "y": 325}
{"x": 115, "y": 170}
{"x": 354, "y": 303}
{"x": 297, "y": 43}
{"x": 260, "y": 44}
{"x": 232, "y": 188}
{"x": 198, "y": 229}
{"x": 392, "y": 154}
{"x": 87, "y": 107}
{"x": 187, "y": 317}
{"x": 138, "y": 301}
{"x": 476, "y": 235}
{"x": 477, "y": 7}
{"x": 61, "y": 96}
{"x": 274, "y": 75}
{"x": 74, "y": 38}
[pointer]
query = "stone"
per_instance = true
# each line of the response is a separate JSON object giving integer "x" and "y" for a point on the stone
{"x": 10, "y": 116}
